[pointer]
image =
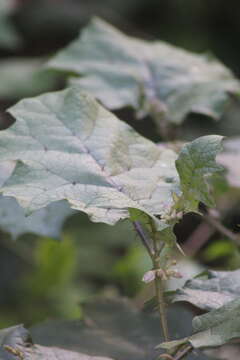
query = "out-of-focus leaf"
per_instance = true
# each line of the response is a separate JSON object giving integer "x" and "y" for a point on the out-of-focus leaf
{"x": 51, "y": 286}
{"x": 16, "y": 343}
{"x": 130, "y": 269}
{"x": 195, "y": 163}
{"x": 210, "y": 290}
{"x": 218, "y": 250}
{"x": 112, "y": 328}
{"x": 24, "y": 77}
{"x": 8, "y": 35}
{"x": 230, "y": 158}
{"x": 152, "y": 77}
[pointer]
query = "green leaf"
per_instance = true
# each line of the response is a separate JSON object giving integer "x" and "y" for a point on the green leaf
{"x": 16, "y": 343}
{"x": 112, "y": 328}
{"x": 151, "y": 77}
{"x": 8, "y": 35}
{"x": 211, "y": 289}
{"x": 69, "y": 147}
{"x": 195, "y": 163}
{"x": 24, "y": 77}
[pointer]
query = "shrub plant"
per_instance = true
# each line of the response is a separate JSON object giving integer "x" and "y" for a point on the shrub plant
{"x": 66, "y": 151}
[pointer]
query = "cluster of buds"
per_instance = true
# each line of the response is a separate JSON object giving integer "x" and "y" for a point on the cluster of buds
{"x": 166, "y": 274}
{"x": 172, "y": 215}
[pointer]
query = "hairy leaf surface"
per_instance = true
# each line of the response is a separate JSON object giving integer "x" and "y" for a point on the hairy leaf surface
{"x": 152, "y": 77}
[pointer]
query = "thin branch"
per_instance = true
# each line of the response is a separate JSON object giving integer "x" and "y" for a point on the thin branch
{"x": 222, "y": 229}
{"x": 179, "y": 355}
{"x": 143, "y": 237}
{"x": 183, "y": 352}
{"x": 198, "y": 238}
{"x": 159, "y": 289}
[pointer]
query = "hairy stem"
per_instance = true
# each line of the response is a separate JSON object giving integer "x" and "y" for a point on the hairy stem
{"x": 143, "y": 237}
{"x": 161, "y": 306}
{"x": 154, "y": 253}
{"x": 159, "y": 284}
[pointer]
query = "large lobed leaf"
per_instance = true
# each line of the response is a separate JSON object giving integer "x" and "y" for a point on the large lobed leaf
{"x": 69, "y": 147}
{"x": 149, "y": 76}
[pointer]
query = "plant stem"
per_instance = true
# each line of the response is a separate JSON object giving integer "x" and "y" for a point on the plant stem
{"x": 161, "y": 306}
{"x": 183, "y": 352}
{"x": 143, "y": 237}
{"x": 159, "y": 285}
{"x": 159, "y": 288}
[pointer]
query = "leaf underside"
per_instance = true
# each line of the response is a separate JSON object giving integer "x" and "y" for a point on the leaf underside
{"x": 148, "y": 76}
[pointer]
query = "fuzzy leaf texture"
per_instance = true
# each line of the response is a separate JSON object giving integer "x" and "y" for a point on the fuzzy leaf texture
{"x": 152, "y": 77}
{"x": 69, "y": 147}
